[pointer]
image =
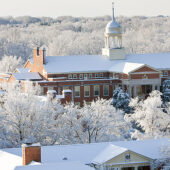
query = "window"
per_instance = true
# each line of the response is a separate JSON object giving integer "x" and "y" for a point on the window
{"x": 106, "y": 90}
{"x": 69, "y": 76}
{"x": 41, "y": 91}
{"x": 74, "y": 76}
{"x": 96, "y": 90}
{"x": 77, "y": 91}
{"x": 59, "y": 90}
{"x": 55, "y": 76}
{"x": 85, "y": 76}
{"x": 66, "y": 88}
{"x": 90, "y": 76}
{"x": 101, "y": 75}
{"x": 86, "y": 91}
{"x": 145, "y": 76}
{"x": 50, "y": 88}
{"x": 96, "y": 75}
{"x": 165, "y": 73}
{"x": 127, "y": 157}
{"x": 81, "y": 76}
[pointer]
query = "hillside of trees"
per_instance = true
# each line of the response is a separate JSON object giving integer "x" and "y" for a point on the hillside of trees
{"x": 72, "y": 36}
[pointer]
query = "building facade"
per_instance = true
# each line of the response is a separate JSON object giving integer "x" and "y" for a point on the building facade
{"x": 97, "y": 76}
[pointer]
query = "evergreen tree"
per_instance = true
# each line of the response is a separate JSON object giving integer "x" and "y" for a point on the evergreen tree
{"x": 121, "y": 100}
{"x": 166, "y": 91}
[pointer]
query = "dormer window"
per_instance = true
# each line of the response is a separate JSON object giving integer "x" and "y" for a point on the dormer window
{"x": 70, "y": 76}
{"x": 74, "y": 76}
{"x": 96, "y": 75}
{"x": 90, "y": 76}
{"x": 85, "y": 76}
{"x": 101, "y": 75}
{"x": 165, "y": 73}
{"x": 81, "y": 76}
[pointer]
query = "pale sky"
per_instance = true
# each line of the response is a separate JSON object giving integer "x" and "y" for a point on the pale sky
{"x": 90, "y": 8}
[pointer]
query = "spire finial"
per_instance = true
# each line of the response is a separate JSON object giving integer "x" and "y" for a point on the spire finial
{"x": 113, "y": 15}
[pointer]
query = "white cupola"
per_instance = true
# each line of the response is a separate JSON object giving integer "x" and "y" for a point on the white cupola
{"x": 113, "y": 40}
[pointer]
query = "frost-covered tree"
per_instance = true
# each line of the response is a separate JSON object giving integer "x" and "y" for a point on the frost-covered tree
{"x": 25, "y": 116}
{"x": 9, "y": 63}
{"x": 94, "y": 123}
{"x": 166, "y": 91}
{"x": 120, "y": 100}
{"x": 149, "y": 116}
{"x": 164, "y": 159}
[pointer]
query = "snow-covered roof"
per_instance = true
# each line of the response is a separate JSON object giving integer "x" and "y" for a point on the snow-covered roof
{"x": 99, "y": 63}
{"x": 110, "y": 152}
{"x": 27, "y": 76}
{"x": 65, "y": 165}
{"x": 125, "y": 67}
{"x": 23, "y": 70}
{"x": 87, "y": 153}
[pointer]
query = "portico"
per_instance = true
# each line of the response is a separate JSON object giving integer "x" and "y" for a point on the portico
{"x": 142, "y": 87}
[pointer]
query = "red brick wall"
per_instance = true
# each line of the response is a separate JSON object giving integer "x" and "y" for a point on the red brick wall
{"x": 141, "y": 76}
{"x": 30, "y": 154}
{"x": 145, "y": 69}
{"x": 80, "y": 99}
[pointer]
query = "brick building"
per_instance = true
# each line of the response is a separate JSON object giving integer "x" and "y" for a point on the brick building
{"x": 91, "y": 76}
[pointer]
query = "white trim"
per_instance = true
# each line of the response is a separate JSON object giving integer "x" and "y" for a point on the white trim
{"x": 145, "y": 73}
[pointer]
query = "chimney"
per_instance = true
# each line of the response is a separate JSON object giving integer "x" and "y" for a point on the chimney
{"x": 39, "y": 55}
{"x": 31, "y": 152}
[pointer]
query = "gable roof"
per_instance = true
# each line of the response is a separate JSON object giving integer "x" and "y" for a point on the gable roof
{"x": 109, "y": 152}
{"x": 27, "y": 76}
{"x": 99, "y": 63}
{"x": 22, "y": 70}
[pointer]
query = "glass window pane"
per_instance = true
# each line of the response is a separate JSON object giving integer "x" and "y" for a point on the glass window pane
{"x": 86, "y": 91}
{"x": 77, "y": 91}
{"x": 96, "y": 90}
{"x": 106, "y": 90}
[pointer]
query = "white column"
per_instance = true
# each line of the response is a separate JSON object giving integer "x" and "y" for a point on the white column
{"x": 130, "y": 91}
{"x": 158, "y": 87}
{"x": 107, "y": 42}
{"x": 113, "y": 42}
{"x": 153, "y": 87}
{"x": 134, "y": 91}
{"x": 136, "y": 168}
{"x": 119, "y": 43}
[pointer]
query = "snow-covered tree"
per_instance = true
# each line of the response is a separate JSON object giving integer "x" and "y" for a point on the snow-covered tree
{"x": 94, "y": 123}
{"x": 25, "y": 116}
{"x": 166, "y": 91}
{"x": 9, "y": 63}
{"x": 164, "y": 159}
{"x": 150, "y": 117}
{"x": 120, "y": 100}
